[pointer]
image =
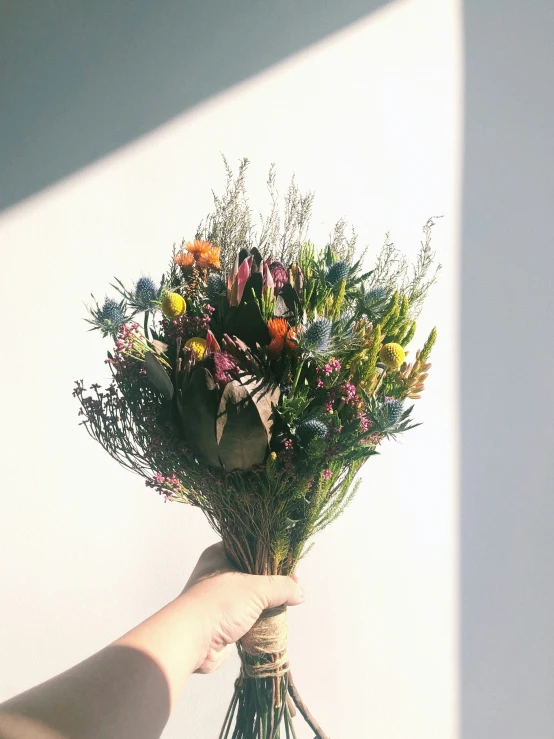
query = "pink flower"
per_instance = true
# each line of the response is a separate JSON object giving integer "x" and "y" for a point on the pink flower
{"x": 365, "y": 423}
{"x": 349, "y": 392}
{"x": 319, "y": 384}
{"x": 333, "y": 366}
{"x": 327, "y": 474}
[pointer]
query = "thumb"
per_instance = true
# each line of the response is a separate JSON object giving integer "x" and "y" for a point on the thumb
{"x": 278, "y": 590}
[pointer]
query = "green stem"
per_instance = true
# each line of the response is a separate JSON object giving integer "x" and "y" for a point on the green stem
{"x": 146, "y": 314}
{"x": 226, "y": 729}
{"x": 297, "y": 375}
{"x": 293, "y": 732}
{"x": 287, "y": 725}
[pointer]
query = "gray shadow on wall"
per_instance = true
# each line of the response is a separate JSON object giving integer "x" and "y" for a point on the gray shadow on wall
{"x": 80, "y": 78}
{"x": 507, "y": 648}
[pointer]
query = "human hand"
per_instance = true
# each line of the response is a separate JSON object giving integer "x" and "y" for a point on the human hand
{"x": 228, "y": 603}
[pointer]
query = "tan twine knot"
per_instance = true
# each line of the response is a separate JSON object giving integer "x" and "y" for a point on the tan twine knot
{"x": 268, "y": 636}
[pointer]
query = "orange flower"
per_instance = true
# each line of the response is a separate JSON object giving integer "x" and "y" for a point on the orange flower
{"x": 278, "y": 328}
{"x": 209, "y": 258}
{"x": 198, "y": 247}
{"x": 281, "y": 335}
{"x": 184, "y": 260}
{"x": 204, "y": 253}
{"x": 275, "y": 348}
{"x": 292, "y": 343}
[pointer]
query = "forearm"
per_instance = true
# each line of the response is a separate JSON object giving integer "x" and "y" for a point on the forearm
{"x": 126, "y": 689}
{"x": 175, "y": 639}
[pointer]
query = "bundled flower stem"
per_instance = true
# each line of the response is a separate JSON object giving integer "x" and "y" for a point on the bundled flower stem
{"x": 265, "y": 374}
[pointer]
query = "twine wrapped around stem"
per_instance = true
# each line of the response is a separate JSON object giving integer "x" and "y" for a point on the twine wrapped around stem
{"x": 268, "y": 636}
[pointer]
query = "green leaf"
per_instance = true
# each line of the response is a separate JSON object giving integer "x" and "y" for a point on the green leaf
{"x": 198, "y": 406}
{"x": 158, "y": 376}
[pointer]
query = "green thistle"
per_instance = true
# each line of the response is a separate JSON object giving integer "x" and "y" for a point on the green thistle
{"x": 215, "y": 287}
{"x": 338, "y": 272}
{"x": 317, "y": 337}
{"x": 310, "y": 429}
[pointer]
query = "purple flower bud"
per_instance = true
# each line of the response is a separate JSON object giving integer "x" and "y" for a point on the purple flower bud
{"x": 280, "y": 276}
{"x": 224, "y": 365}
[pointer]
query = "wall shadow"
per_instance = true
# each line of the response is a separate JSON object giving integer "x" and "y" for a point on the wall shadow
{"x": 79, "y": 79}
{"x": 507, "y": 404}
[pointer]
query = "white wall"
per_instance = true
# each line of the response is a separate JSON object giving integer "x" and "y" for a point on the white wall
{"x": 507, "y": 432}
{"x": 370, "y": 119}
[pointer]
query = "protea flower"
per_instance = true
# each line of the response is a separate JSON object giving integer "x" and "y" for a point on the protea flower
{"x": 247, "y": 271}
{"x": 238, "y": 277}
{"x": 280, "y": 276}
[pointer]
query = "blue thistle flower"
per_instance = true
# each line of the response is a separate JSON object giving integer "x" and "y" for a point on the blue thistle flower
{"x": 145, "y": 292}
{"x": 112, "y": 312}
{"x": 310, "y": 429}
{"x": 317, "y": 337}
{"x": 394, "y": 409}
{"x": 338, "y": 272}
{"x": 216, "y": 286}
{"x": 377, "y": 294}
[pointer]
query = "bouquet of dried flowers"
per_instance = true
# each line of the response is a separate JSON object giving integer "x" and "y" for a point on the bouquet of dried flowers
{"x": 264, "y": 373}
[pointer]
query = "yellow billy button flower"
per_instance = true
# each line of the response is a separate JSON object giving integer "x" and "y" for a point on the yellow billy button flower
{"x": 392, "y": 355}
{"x": 198, "y": 346}
{"x": 173, "y": 305}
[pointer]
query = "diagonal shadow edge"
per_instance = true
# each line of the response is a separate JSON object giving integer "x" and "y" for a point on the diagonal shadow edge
{"x": 79, "y": 80}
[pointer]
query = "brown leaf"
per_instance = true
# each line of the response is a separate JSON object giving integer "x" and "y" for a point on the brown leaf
{"x": 158, "y": 376}
{"x": 198, "y": 408}
{"x": 240, "y": 433}
{"x": 265, "y": 397}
